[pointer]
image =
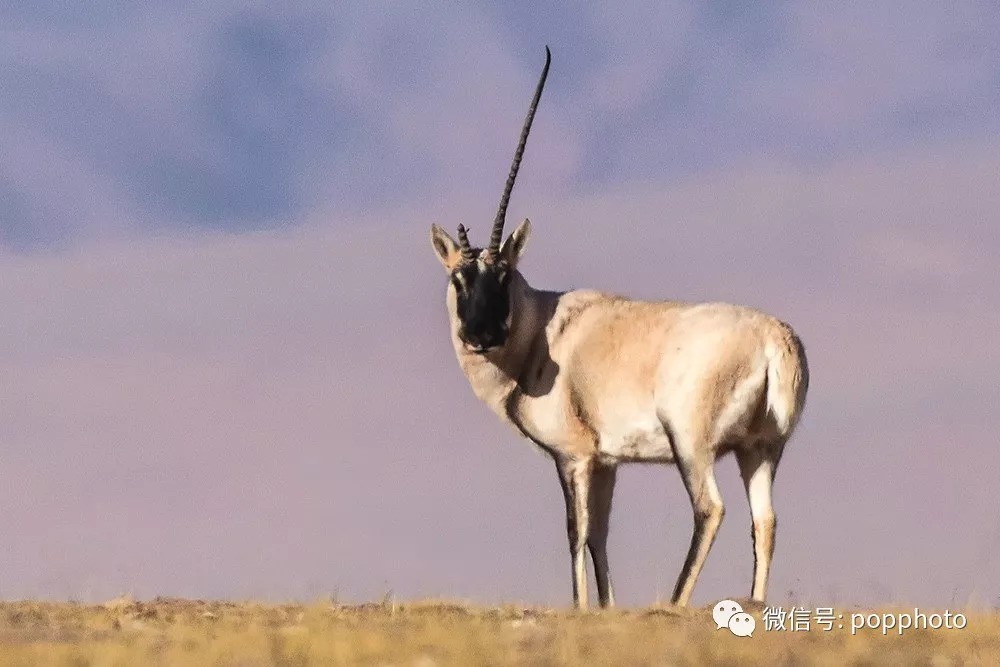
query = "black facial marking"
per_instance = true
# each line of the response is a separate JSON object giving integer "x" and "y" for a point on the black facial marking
{"x": 483, "y": 303}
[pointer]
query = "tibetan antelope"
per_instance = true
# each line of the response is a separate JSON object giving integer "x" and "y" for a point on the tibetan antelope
{"x": 596, "y": 380}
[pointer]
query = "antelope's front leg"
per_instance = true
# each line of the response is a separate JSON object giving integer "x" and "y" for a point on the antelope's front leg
{"x": 601, "y": 492}
{"x": 566, "y": 483}
{"x": 575, "y": 478}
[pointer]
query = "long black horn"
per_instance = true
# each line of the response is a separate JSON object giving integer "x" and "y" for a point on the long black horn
{"x": 497, "y": 235}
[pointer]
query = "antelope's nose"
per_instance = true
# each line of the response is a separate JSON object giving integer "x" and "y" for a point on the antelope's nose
{"x": 486, "y": 342}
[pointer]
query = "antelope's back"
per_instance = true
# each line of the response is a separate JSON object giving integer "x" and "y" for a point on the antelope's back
{"x": 703, "y": 368}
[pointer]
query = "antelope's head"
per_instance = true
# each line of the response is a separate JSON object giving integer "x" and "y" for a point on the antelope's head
{"x": 481, "y": 286}
{"x": 483, "y": 282}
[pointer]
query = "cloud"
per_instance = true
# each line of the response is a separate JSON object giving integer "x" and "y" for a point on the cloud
{"x": 236, "y": 116}
{"x": 878, "y": 75}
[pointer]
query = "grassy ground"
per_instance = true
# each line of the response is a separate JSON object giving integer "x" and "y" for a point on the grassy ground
{"x": 187, "y": 632}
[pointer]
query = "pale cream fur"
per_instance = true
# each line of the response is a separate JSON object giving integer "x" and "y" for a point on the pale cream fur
{"x": 597, "y": 380}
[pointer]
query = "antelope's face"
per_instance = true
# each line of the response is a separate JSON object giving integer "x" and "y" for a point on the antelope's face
{"x": 480, "y": 298}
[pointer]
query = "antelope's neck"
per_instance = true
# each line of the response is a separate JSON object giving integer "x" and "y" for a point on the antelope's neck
{"x": 494, "y": 376}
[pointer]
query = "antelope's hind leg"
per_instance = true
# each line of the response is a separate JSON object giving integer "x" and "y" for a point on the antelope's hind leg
{"x": 757, "y": 468}
{"x": 697, "y": 471}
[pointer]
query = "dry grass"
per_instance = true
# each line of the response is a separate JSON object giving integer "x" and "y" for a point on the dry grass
{"x": 188, "y": 632}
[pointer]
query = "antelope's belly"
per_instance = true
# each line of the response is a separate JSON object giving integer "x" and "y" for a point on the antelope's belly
{"x": 644, "y": 442}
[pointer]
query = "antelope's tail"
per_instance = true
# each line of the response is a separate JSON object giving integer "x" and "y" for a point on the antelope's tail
{"x": 787, "y": 380}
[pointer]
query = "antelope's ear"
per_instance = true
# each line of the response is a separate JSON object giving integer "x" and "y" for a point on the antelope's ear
{"x": 445, "y": 247}
{"x": 513, "y": 247}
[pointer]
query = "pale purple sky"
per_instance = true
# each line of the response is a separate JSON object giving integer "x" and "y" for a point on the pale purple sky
{"x": 224, "y": 360}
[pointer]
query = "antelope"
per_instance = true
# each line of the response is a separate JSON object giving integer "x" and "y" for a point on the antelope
{"x": 595, "y": 380}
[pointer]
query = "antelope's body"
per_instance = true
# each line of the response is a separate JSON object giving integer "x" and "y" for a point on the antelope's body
{"x": 600, "y": 375}
{"x": 597, "y": 380}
